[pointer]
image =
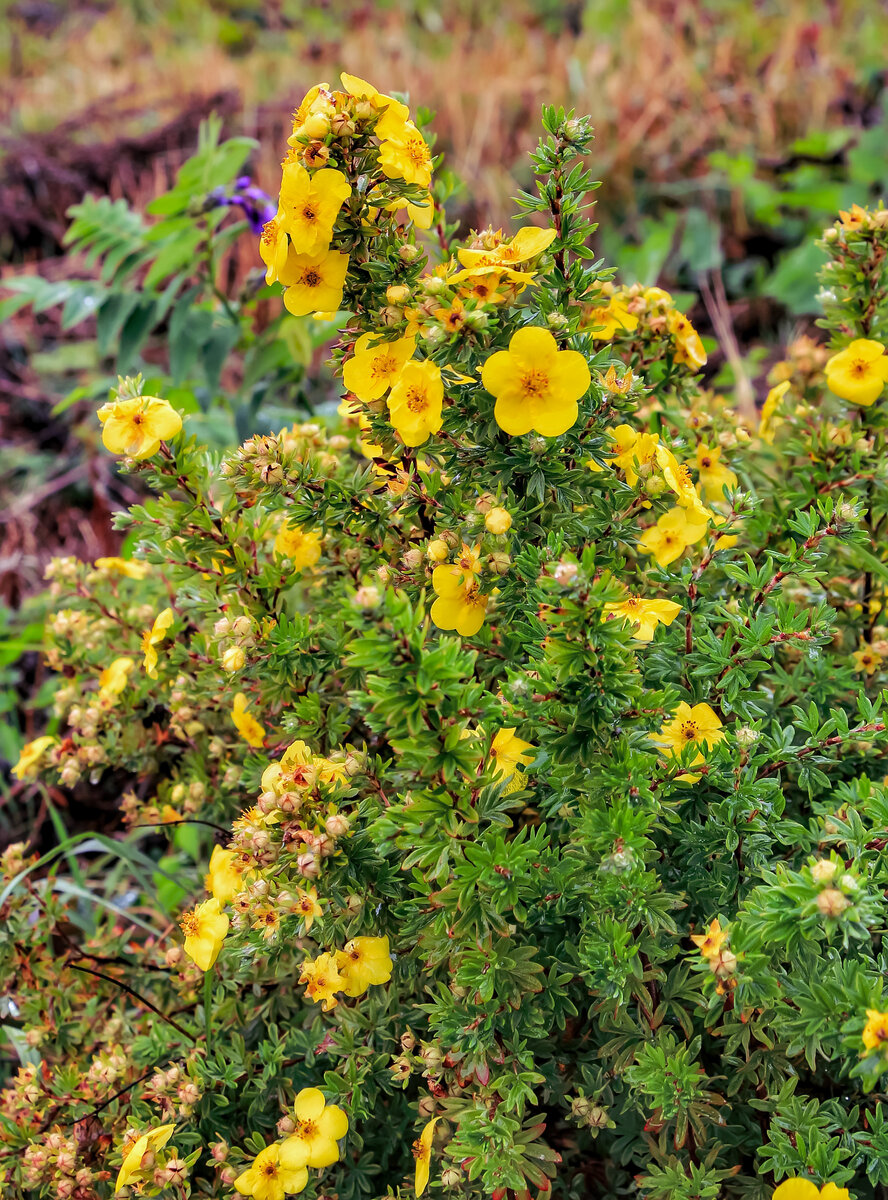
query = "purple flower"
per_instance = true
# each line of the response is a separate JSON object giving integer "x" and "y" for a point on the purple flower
{"x": 258, "y": 207}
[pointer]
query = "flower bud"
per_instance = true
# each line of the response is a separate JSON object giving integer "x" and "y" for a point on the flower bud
{"x": 397, "y": 293}
{"x": 233, "y": 659}
{"x": 367, "y": 596}
{"x": 499, "y": 563}
{"x": 408, "y": 253}
{"x": 451, "y": 1177}
{"x": 565, "y": 573}
{"x": 498, "y": 521}
{"x": 824, "y": 870}
{"x": 557, "y": 320}
{"x": 747, "y": 737}
{"x": 336, "y": 825}
{"x": 437, "y": 550}
{"x": 832, "y": 903}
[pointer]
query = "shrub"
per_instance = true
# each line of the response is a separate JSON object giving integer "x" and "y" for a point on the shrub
{"x": 526, "y": 724}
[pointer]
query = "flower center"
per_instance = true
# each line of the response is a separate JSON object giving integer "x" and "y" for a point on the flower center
{"x": 420, "y": 1152}
{"x": 535, "y": 384}
{"x": 190, "y": 924}
{"x": 417, "y": 401}
{"x": 417, "y": 151}
{"x": 269, "y": 232}
{"x": 310, "y": 278}
{"x": 307, "y": 1130}
{"x": 860, "y": 367}
{"x": 309, "y": 213}
{"x": 706, "y": 462}
{"x": 270, "y": 1169}
{"x": 689, "y": 731}
{"x": 383, "y": 364}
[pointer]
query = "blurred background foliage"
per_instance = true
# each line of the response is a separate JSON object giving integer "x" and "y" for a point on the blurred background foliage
{"x": 727, "y": 132}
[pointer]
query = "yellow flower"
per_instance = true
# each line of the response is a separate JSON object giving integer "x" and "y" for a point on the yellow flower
{"x": 710, "y": 943}
{"x": 375, "y": 365}
{"x": 691, "y": 726}
{"x": 768, "y": 422}
{"x": 867, "y": 659}
{"x": 319, "y": 1127}
{"x": 392, "y": 113}
{"x": 632, "y": 450}
{"x": 535, "y": 384}
{"x": 362, "y": 962}
{"x": 205, "y": 928}
{"x": 806, "y": 1189}
{"x": 136, "y": 427}
{"x": 308, "y": 907}
{"x": 247, "y": 725}
{"x": 223, "y": 880}
{"x": 275, "y": 1171}
{"x": 31, "y": 754}
{"x": 460, "y": 604}
{"x": 309, "y": 206}
{"x": 689, "y": 348}
{"x": 123, "y": 566}
{"x": 858, "y": 373}
{"x": 313, "y": 281}
{"x": 422, "y": 1152}
{"x": 674, "y": 531}
{"x": 301, "y": 546}
{"x": 509, "y": 753}
{"x": 153, "y": 637}
{"x": 875, "y": 1032}
{"x": 415, "y": 402}
{"x": 322, "y": 980}
{"x": 273, "y": 248}
{"x": 154, "y": 1140}
{"x": 604, "y": 320}
{"x": 678, "y": 478}
{"x": 405, "y": 155}
{"x": 114, "y": 678}
{"x": 714, "y": 475}
{"x": 645, "y": 615}
{"x": 527, "y": 243}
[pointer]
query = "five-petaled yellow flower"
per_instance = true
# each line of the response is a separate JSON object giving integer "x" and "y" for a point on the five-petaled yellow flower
{"x": 152, "y": 1141}
{"x": 405, "y": 155}
{"x": 313, "y": 282}
{"x": 308, "y": 906}
{"x": 136, "y": 427}
{"x": 152, "y": 638}
{"x": 310, "y": 204}
{"x": 127, "y": 567}
{"x": 460, "y": 603}
{"x": 422, "y": 1152}
{"x": 806, "y": 1189}
{"x": 604, "y": 320}
{"x": 319, "y": 1126}
{"x": 245, "y": 723}
{"x": 415, "y": 402}
{"x": 867, "y": 659}
{"x": 875, "y": 1031}
{"x": 631, "y": 450}
{"x": 714, "y": 475}
{"x": 362, "y": 962}
{"x": 536, "y": 385}
{"x": 276, "y": 1171}
{"x": 674, "y": 531}
{"x": 113, "y": 679}
{"x": 527, "y": 243}
{"x": 509, "y": 752}
{"x": 645, "y": 615}
{"x": 322, "y": 980}
{"x": 688, "y": 346}
{"x": 301, "y": 546}
{"x": 375, "y": 365}
{"x": 223, "y": 879}
{"x": 710, "y": 943}
{"x": 32, "y": 753}
{"x": 696, "y": 725}
{"x": 205, "y": 928}
{"x": 859, "y": 372}
{"x": 769, "y": 421}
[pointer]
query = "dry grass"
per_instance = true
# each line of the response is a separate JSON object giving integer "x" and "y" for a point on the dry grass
{"x": 665, "y": 81}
